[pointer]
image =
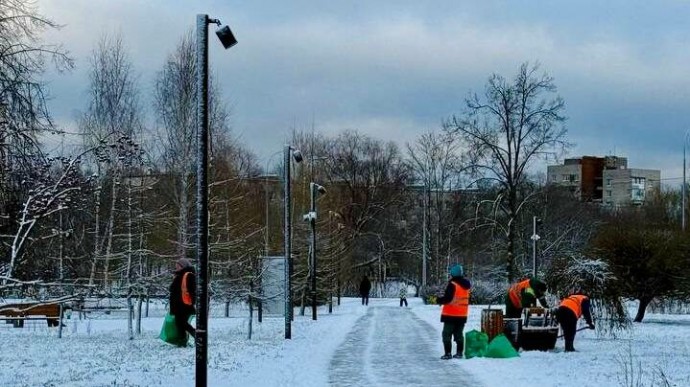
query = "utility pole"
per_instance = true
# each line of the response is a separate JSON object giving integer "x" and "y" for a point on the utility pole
{"x": 427, "y": 183}
{"x": 312, "y": 224}
{"x": 683, "y": 193}
{"x": 424, "y": 256}
{"x": 228, "y": 40}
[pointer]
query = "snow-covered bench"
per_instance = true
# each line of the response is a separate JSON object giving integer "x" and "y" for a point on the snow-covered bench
{"x": 18, "y": 313}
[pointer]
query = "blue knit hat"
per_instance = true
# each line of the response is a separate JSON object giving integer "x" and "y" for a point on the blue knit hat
{"x": 456, "y": 270}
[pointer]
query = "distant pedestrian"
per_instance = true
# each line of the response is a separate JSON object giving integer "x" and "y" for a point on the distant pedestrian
{"x": 364, "y": 288}
{"x": 183, "y": 295}
{"x": 455, "y": 301}
{"x": 403, "y": 296}
{"x": 570, "y": 310}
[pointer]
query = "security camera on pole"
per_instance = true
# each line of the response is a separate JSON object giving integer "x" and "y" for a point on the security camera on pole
{"x": 311, "y": 218}
{"x": 228, "y": 40}
{"x": 534, "y": 239}
{"x": 287, "y": 204}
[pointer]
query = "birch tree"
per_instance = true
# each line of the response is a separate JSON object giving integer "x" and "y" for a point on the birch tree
{"x": 114, "y": 112}
{"x": 175, "y": 104}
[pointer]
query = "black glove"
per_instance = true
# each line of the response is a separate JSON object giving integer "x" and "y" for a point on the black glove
{"x": 591, "y": 326}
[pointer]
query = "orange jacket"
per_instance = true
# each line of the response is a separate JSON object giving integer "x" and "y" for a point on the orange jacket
{"x": 186, "y": 294}
{"x": 574, "y": 303}
{"x": 515, "y": 292}
{"x": 459, "y": 306}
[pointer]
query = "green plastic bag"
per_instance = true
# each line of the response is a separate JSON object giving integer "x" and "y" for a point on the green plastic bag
{"x": 501, "y": 348}
{"x": 171, "y": 334}
{"x": 475, "y": 344}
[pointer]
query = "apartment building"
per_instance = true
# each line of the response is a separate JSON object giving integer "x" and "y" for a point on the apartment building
{"x": 606, "y": 180}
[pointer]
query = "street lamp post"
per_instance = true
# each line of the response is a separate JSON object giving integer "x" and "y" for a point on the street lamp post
{"x": 297, "y": 155}
{"x": 228, "y": 40}
{"x": 534, "y": 238}
{"x": 684, "y": 188}
{"x": 311, "y": 218}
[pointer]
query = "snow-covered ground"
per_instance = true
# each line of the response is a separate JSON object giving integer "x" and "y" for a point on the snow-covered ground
{"x": 96, "y": 352}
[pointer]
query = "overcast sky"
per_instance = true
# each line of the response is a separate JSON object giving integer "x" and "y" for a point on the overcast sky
{"x": 395, "y": 69}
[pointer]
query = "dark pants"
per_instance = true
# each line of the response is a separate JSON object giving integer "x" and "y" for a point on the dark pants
{"x": 512, "y": 311}
{"x": 450, "y": 330}
{"x": 365, "y": 299}
{"x": 568, "y": 321}
{"x": 403, "y": 301}
{"x": 182, "y": 323}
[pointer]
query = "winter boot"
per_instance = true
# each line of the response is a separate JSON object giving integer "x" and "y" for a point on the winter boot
{"x": 461, "y": 346}
{"x": 447, "y": 348}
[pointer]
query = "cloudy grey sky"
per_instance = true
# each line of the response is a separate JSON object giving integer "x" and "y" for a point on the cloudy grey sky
{"x": 395, "y": 69}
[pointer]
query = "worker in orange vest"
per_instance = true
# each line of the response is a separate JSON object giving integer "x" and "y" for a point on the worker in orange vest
{"x": 183, "y": 295}
{"x": 570, "y": 310}
{"x": 455, "y": 301}
{"x": 524, "y": 294}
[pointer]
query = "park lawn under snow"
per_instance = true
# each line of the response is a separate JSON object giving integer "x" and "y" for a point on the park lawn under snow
{"x": 96, "y": 352}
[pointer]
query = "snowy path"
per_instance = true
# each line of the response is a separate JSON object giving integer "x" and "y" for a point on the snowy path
{"x": 391, "y": 346}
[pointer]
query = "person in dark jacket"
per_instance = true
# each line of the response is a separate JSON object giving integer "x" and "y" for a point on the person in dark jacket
{"x": 403, "y": 295}
{"x": 570, "y": 310}
{"x": 183, "y": 295}
{"x": 455, "y": 301}
{"x": 364, "y": 288}
{"x": 524, "y": 294}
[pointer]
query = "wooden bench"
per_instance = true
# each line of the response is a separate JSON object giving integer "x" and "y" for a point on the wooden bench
{"x": 18, "y": 313}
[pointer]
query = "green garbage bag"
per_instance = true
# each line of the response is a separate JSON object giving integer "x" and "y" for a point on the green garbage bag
{"x": 171, "y": 334}
{"x": 475, "y": 344}
{"x": 501, "y": 348}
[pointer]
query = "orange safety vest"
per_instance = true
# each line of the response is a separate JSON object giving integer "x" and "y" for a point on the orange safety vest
{"x": 574, "y": 303}
{"x": 459, "y": 306}
{"x": 186, "y": 296}
{"x": 516, "y": 290}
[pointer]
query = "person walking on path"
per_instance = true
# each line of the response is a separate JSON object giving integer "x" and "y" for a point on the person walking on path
{"x": 403, "y": 295}
{"x": 455, "y": 301}
{"x": 183, "y": 295}
{"x": 364, "y": 288}
{"x": 524, "y": 294}
{"x": 570, "y": 310}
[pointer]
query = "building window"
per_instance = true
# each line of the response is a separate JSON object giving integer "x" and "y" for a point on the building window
{"x": 570, "y": 178}
{"x": 608, "y": 192}
{"x": 608, "y": 182}
{"x": 637, "y": 194}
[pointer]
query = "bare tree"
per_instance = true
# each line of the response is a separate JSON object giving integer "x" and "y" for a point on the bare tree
{"x": 24, "y": 114}
{"x": 114, "y": 112}
{"x": 175, "y": 106}
{"x": 53, "y": 187}
{"x": 365, "y": 177}
{"x": 514, "y": 124}
{"x": 437, "y": 162}
{"x": 23, "y": 57}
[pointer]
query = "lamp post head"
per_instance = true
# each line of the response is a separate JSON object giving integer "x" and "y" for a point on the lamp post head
{"x": 297, "y": 155}
{"x": 226, "y": 37}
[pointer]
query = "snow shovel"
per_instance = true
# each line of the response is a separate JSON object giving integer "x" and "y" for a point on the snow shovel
{"x": 577, "y": 330}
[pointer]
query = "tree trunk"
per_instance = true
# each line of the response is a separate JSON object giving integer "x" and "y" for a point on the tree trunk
{"x": 642, "y": 308}
{"x": 111, "y": 231}
{"x": 139, "y": 302}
